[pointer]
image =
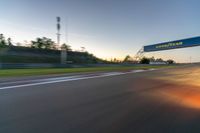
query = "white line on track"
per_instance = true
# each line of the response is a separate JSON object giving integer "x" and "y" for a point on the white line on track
{"x": 71, "y": 78}
{"x": 38, "y": 80}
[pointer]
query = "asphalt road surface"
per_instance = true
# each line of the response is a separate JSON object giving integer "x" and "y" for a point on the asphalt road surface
{"x": 158, "y": 101}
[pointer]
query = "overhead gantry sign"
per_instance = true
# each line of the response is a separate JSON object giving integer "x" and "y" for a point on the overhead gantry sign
{"x": 190, "y": 42}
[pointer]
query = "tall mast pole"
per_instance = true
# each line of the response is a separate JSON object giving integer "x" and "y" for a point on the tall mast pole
{"x": 63, "y": 54}
{"x": 58, "y": 30}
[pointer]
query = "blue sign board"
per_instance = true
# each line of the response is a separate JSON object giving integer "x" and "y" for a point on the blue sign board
{"x": 190, "y": 42}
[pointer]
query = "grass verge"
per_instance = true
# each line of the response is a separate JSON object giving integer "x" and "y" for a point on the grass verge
{"x": 48, "y": 71}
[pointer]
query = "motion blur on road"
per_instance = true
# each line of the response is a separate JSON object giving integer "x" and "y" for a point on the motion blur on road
{"x": 99, "y": 66}
{"x": 159, "y": 101}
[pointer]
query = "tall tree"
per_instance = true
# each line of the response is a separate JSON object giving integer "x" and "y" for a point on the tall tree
{"x": 43, "y": 43}
{"x": 9, "y": 40}
{"x": 145, "y": 60}
{"x": 2, "y": 40}
{"x": 170, "y": 61}
{"x": 159, "y": 60}
{"x": 127, "y": 58}
{"x": 66, "y": 46}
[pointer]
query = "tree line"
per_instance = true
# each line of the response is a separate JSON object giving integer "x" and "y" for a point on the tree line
{"x": 40, "y": 43}
{"x": 4, "y": 41}
{"x": 45, "y": 47}
{"x": 146, "y": 60}
{"x": 47, "y": 43}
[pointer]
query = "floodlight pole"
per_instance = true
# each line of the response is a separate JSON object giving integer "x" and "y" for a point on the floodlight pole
{"x": 58, "y": 30}
{"x": 63, "y": 55}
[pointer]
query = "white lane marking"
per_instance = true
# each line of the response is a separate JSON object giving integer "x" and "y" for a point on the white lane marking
{"x": 143, "y": 70}
{"x": 65, "y": 79}
{"x": 137, "y": 71}
{"x": 55, "y": 81}
{"x": 38, "y": 80}
{"x": 113, "y": 73}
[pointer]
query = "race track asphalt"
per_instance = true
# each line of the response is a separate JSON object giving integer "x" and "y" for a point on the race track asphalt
{"x": 159, "y": 101}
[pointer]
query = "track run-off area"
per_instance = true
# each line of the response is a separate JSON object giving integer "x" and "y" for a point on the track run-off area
{"x": 139, "y": 101}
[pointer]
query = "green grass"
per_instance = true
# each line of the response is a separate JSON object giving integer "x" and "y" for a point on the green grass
{"x": 48, "y": 71}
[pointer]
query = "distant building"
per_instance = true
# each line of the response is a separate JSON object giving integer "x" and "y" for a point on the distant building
{"x": 158, "y": 62}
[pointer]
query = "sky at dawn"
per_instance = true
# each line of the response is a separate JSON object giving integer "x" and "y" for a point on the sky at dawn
{"x": 106, "y": 28}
